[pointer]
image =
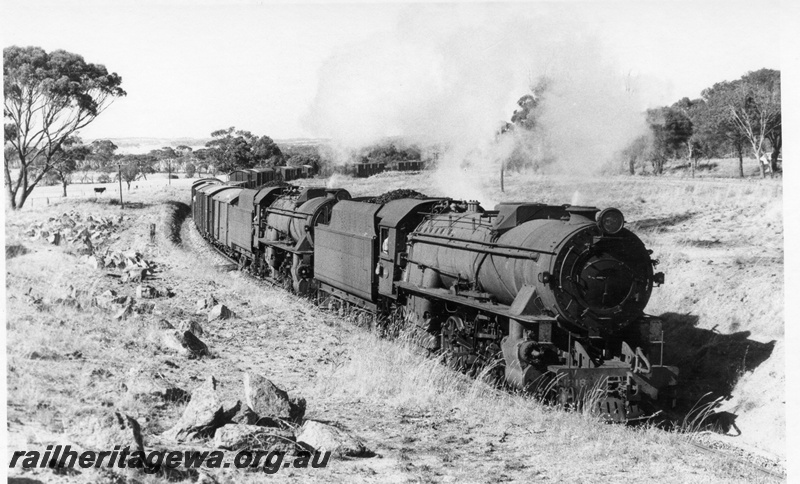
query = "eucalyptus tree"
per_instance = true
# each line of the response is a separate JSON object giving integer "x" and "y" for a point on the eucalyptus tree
{"x": 47, "y": 98}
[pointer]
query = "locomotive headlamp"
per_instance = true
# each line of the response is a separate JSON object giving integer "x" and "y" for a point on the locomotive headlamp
{"x": 610, "y": 221}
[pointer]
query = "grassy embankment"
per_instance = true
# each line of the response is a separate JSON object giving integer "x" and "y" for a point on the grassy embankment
{"x": 428, "y": 423}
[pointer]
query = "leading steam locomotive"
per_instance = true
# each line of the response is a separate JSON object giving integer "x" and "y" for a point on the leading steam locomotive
{"x": 550, "y": 296}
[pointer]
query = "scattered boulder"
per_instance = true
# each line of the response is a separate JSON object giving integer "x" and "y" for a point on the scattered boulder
{"x": 196, "y": 347}
{"x": 220, "y": 311}
{"x": 145, "y": 308}
{"x": 135, "y": 274}
{"x": 146, "y": 292}
{"x": 174, "y": 340}
{"x": 253, "y": 437}
{"x": 106, "y": 299}
{"x": 205, "y": 303}
{"x": 202, "y": 415}
{"x": 327, "y": 438}
{"x": 268, "y": 400}
{"x": 245, "y": 415}
{"x": 123, "y": 313}
{"x": 192, "y": 326}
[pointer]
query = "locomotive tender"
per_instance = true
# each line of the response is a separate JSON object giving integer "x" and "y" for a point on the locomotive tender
{"x": 555, "y": 294}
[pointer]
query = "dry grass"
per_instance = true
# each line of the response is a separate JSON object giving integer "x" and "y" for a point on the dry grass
{"x": 427, "y": 423}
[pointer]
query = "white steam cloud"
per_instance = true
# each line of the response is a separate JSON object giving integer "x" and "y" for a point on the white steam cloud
{"x": 450, "y": 75}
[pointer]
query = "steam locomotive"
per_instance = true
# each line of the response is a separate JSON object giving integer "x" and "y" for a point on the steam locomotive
{"x": 551, "y": 296}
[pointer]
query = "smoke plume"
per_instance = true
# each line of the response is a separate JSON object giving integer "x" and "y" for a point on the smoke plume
{"x": 451, "y": 75}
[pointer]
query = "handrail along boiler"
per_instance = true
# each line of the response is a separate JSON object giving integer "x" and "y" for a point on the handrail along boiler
{"x": 555, "y": 293}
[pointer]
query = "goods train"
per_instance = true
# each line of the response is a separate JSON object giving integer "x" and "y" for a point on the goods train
{"x": 256, "y": 177}
{"x": 550, "y": 296}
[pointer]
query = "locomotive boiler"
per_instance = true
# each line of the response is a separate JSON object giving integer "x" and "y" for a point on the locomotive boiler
{"x": 559, "y": 291}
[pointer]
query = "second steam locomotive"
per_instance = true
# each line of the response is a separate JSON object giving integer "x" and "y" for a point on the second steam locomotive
{"x": 552, "y": 296}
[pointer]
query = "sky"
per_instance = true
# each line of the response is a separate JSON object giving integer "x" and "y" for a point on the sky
{"x": 289, "y": 70}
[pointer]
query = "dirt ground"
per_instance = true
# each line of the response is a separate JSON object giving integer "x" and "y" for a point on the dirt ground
{"x": 720, "y": 244}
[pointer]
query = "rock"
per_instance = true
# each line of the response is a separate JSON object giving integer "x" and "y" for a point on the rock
{"x": 54, "y": 239}
{"x": 220, "y": 311}
{"x": 164, "y": 324}
{"x": 246, "y": 416}
{"x": 135, "y": 274}
{"x": 145, "y": 308}
{"x": 327, "y": 438}
{"x": 192, "y": 326}
{"x": 105, "y": 431}
{"x": 173, "y": 340}
{"x": 196, "y": 347}
{"x": 297, "y": 409}
{"x": 185, "y": 343}
{"x": 105, "y": 300}
{"x": 205, "y": 303}
{"x": 145, "y": 292}
{"x": 253, "y": 437}
{"x": 123, "y": 313}
{"x": 66, "y": 221}
{"x": 268, "y": 400}
{"x": 202, "y": 415}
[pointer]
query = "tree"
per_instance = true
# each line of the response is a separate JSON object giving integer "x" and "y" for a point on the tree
{"x": 266, "y": 153}
{"x": 752, "y": 105}
{"x": 102, "y": 154}
{"x": 130, "y": 171}
{"x": 47, "y": 98}
{"x": 72, "y": 152}
{"x": 232, "y": 149}
{"x": 671, "y": 130}
{"x": 229, "y": 151}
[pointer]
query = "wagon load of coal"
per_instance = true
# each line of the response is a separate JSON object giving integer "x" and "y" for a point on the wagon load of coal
{"x": 397, "y": 194}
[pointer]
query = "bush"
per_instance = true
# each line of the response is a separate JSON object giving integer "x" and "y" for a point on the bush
{"x": 104, "y": 178}
{"x": 190, "y": 170}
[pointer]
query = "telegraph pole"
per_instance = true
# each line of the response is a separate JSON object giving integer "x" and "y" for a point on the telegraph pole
{"x": 169, "y": 171}
{"x": 119, "y": 174}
